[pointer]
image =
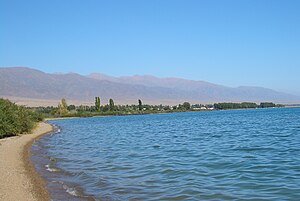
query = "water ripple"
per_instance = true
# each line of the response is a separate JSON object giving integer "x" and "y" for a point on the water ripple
{"x": 226, "y": 155}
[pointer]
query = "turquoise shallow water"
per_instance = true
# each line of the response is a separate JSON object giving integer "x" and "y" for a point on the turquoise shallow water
{"x": 221, "y": 155}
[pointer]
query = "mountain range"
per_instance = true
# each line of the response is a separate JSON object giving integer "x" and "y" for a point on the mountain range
{"x": 24, "y": 84}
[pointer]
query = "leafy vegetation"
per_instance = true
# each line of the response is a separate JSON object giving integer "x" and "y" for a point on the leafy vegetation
{"x": 111, "y": 105}
{"x": 244, "y": 105}
{"x": 140, "y": 104}
{"x": 97, "y": 103}
{"x": 16, "y": 119}
{"x": 267, "y": 104}
{"x": 62, "y": 107}
{"x": 64, "y": 110}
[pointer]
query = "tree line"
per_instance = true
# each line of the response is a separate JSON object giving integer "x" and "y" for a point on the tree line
{"x": 245, "y": 105}
{"x": 65, "y": 110}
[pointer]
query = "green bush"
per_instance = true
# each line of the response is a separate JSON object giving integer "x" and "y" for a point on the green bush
{"x": 15, "y": 119}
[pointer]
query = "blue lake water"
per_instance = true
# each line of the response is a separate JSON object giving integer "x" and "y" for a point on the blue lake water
{"x": 219, "y": 155}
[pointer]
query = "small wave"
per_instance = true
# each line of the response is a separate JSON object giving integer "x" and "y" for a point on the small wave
{"x": 75, "y": 192}
{"x": 48, "y": 168}
{"x": 70, "y": 190}
{"x": 56, "y": 130}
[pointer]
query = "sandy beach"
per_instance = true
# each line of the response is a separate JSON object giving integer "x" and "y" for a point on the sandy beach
{"x": 18, "y": 178}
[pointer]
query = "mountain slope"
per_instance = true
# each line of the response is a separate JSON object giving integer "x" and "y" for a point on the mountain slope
{"x": 31, "y": 83}
{"x": 204, "y": 91}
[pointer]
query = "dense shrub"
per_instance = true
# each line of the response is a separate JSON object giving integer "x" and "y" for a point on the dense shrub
{"x": 15, "y": 119}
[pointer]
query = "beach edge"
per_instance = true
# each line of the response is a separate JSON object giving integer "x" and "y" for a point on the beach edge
{"x": 39, "y": 189}
{"x": 20, "y": 180}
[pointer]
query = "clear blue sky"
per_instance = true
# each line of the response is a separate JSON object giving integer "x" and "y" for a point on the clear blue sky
{"x": 233, "y": 43}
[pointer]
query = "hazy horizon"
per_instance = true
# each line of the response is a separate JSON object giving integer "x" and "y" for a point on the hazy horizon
{"x": 230, "y": 43}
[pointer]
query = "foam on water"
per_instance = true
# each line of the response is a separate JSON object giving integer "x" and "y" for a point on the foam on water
{"x": 50, "y": 169}
{"x": 71, "y": 191}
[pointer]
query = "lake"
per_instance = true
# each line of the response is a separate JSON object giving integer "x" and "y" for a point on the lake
{"x": 218, "y": 155}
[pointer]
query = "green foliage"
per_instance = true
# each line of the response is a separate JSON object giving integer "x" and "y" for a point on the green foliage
{"x": 105, "y": 108}
{"x": 140, "y": 105}
{"x": 62, "y": 108}
{"x": 97, "y": 104}
{"x": 37, "y": 116}
{"x": 111, "y": 105}
{"x": 225, "y": 106}
{"x": 71, "y": 107}
{"x": 186, "y": 105}
{"x": 16, "y": 119}
{"x": 267, "y": 104}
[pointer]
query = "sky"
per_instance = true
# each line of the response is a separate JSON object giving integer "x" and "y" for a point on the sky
{"x": 232, "y": 43}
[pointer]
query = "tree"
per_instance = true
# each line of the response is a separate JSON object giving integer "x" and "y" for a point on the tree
{"x": 105, "y": 108}
{"x": 267, "y": 104}
{"x": 97, "y": 103}
{"x": 71, "y": 107}
{"x": 111, "y": 105}
{"x": 186, "y": 105}
{"x": 62, "y": 107}
{"x": 140, "y": 105}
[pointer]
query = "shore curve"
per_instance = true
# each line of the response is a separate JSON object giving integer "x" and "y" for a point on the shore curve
{"x": 19, "y": 179}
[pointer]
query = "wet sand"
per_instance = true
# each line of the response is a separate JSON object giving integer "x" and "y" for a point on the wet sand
{"x": 18, "y": 178}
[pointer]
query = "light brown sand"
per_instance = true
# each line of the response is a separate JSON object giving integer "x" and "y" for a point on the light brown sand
{"x": 18, "y": 178}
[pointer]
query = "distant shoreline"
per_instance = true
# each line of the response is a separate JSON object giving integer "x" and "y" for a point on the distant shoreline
{"x": 166, "y": 112}
{"x": 19, "y": 179}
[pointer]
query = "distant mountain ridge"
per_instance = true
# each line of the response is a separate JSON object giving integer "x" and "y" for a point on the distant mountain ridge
{"x": 25, "y": 82}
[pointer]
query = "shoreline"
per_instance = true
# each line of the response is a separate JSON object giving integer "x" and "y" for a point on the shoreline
{"x": 19, "y": 179}
{"x": 165, "y": 112}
